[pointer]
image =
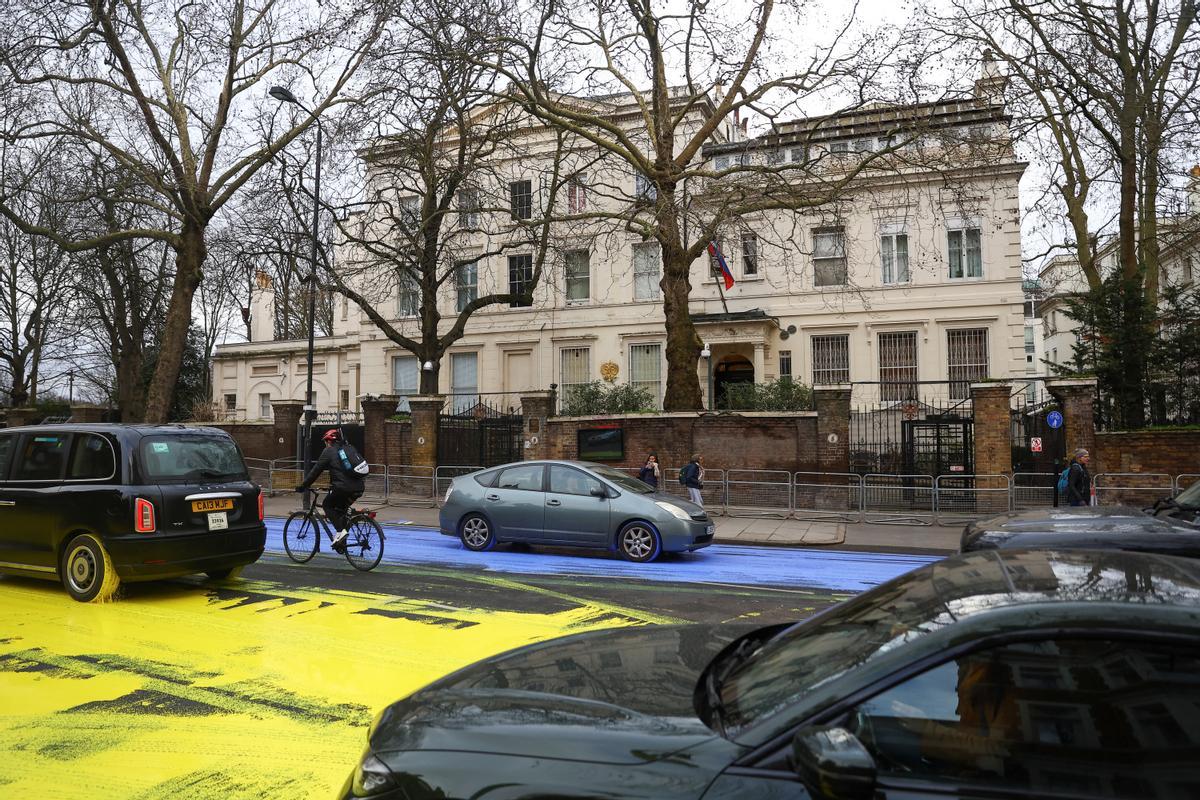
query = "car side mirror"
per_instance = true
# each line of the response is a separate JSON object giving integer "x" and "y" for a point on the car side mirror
{"x": 600, "y": 491}
{"x": 833, "y": 763}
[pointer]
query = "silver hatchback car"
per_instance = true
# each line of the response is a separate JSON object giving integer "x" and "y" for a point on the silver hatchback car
{"x": 571, "y": 504}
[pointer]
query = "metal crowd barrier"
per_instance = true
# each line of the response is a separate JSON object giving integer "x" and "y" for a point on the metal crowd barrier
{"x": 286, "y": 474}
{"x": 827, "y": 496}
{"x": 442, "y": 476}
{"x": 1032, "y": 490}
{"x": 713, "y": 492}
{"x": 259, "y": 470}
{"x": 899, "y": 499}
{"x": 1185, "y": 480}
{"x": 958, "y": 499}
{"x": 758, "y": 493}
{"x": 410, "y": 483}
{"x": 1131, "y": 488}
{"x": 375, "y": 483}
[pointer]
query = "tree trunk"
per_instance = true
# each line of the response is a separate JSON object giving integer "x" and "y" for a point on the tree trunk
{"x": 429, "y": 378}
{"x": 683, "y": 345}
{"x": 131, "y": 394}
{"x": 189, "y": 260}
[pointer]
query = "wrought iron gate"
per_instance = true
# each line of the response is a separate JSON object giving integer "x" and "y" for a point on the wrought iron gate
{"x": 938, "y": 445}
{"x": 478, "y": 435}
{"x": 1036, "y": 447}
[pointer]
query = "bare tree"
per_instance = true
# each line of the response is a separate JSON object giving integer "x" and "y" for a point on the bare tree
{"x": 1105, "y": 95}
{"x": 174, "y": 93}
{"x": 707, "y": 69}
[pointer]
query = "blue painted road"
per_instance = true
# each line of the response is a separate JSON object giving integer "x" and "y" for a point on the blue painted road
{"x": 725, "y": 564}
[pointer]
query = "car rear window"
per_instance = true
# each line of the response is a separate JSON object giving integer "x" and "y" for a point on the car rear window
{"x": 191, "y": 459}
{"x": 42, "y": 457}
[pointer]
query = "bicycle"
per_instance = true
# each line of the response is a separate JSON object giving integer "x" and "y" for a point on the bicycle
{"x": 364, "y": 538}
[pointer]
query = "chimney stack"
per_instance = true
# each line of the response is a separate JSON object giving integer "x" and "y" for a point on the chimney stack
{"x": 991, "y": 83}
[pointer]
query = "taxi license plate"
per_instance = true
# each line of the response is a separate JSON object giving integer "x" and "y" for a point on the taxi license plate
{"x": 202, "y": 506}
{"x": 218, "y": 521}
{"x": 710, "y": 530}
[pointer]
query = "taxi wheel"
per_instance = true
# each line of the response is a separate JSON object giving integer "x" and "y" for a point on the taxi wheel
{"x": 226, "y": 574}
{"x": 87, "y": 571}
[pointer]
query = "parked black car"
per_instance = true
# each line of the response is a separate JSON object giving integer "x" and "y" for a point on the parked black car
{"x": 1184, "y": 506}
{"x": 996, "y": 674}
{"x": 94, "y": 505}
{"x": 1100, "y": 527}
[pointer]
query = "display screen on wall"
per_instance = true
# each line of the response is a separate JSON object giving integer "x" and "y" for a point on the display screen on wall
{"x": 601, "y": 444}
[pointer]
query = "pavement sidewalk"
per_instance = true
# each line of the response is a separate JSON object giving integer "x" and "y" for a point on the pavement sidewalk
{"x": 931, "y": 540}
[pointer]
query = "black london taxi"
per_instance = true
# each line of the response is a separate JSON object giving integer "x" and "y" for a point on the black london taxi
{"x": 95, "y": 505}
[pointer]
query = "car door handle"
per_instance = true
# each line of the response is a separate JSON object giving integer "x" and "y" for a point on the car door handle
{"x": 7, "y": 503}
{"x": 554, "y": 502}
{"x": 492, "y": 497}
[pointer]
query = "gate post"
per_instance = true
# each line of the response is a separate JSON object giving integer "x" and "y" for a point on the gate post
{"x": 991, "y": 406}
{"x": 376, "y": 411}
{"x": 832, "y": 404}
{"x": 536, "y": 409}
{"x": 286, "y": 415}
{"x": 425, "y": 410}
{"x": 1076, "y": 395}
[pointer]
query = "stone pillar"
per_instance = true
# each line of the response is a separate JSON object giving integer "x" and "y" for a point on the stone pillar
{"x": 376, "y": 411}
{"x": 833, "y": 427}
{"x": 87, "y": 413}
{"x": 1076, "y": 396}
{"x": 760, "y": 362}
{"x": 993, "y": 428}
{"x": 537, "y": 408}
{"x": 425, "y": 410}
{"x": 286, "y": 415}
{"x": 23, "y": 416}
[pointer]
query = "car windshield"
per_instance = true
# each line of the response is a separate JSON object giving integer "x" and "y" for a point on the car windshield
{"x": 807, "y": 655}
{"x": 1190, "y": 496}
{"x": 623, "y": 481}
{"x": 191, "y": 458}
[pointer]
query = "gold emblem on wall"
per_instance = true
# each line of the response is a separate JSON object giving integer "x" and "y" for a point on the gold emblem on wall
{"x": 609, "y": 371}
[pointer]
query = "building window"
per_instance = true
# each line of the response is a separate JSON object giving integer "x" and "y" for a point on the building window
{"x": 776, "y": 156}
{"x": 749, "y": 255}
{"x": 1029, "y": 345}
{"x": 468, "y": 208}
{"x": 410, "y": 211}
{"x": 520, "y": 280}
{"x": 405, "y": 377}
{"x": 646, "y": 268}
{"x": 966, "y": 254}
{"x": 577, "y": 194}
{"x": 898, "y": 365}
{"x": 839, "y": 147}
{"x": 893, "y": 249}
{"x": 645, "y": 369}
{"x": 785, "y": 363}
{"x": 464, "y": 380}
{"x": 798, "y": 155}
{"x": 644, "y": 189}
{"x": 345, "y": 307}
{"x": 967, "y": 360}
{"x": 829, "y": 257}
{"x": 1186, "y": 275}
{"x": 863, "y": 145}
{"x": 231, "y": 402}
{"x": 576, "y": 371}
{"x": 520, "y": 197}
{"x": 578, "y": 276}
{"x": 345, "y": 400}
{"x": 409, "y": 300}
{"x": 831, "y": 359}
{"x": 466, "y": 283}
{"x": 721, "y": 163}
{"x": 264, "y": 405}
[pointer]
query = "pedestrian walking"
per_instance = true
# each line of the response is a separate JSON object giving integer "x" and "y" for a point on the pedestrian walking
{"x": 692, "y": 477}
{"x": 1079, "y": 480}
{"x": 650, "y": 473}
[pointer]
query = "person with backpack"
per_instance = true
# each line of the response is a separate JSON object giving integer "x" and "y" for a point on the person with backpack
{"x": 692, "y": 477}
{"x": 650, "y": 473}
{"x": 1079, "y": 480}
{"x": 346, "y": 469}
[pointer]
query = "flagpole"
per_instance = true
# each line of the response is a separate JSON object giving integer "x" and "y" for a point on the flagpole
{"x": 721, "y": 291}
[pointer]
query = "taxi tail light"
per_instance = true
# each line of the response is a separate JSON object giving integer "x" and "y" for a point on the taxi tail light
{"x": 262, "y": 514}
{"x": 143, "y": 516}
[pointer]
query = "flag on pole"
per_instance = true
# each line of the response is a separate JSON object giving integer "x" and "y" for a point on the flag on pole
{"x": 715, "y": 252}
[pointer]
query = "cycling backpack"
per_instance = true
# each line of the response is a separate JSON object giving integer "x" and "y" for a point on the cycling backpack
{"x": 1063, "y": 479}
{"x": 351, "y": 460}
{"x": 683, "y": 475}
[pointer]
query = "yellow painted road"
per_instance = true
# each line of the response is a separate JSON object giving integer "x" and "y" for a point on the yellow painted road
{"x": 188, "y": 690}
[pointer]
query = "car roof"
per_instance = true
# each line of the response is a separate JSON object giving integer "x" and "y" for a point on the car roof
{"x": 116, "y": 428}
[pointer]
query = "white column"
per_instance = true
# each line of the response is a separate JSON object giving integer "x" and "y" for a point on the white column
{"x": 759, "y": 362}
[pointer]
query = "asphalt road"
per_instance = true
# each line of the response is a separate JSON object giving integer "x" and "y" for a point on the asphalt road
{"x": 263, "y": 686}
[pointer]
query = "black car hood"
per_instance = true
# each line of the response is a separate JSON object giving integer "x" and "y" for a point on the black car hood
{"x": 1100, "y": 527}
{"x": 618, "y": 696}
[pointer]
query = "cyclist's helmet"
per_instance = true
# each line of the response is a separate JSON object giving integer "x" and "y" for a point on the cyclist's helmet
{"x": 332, "y": 435}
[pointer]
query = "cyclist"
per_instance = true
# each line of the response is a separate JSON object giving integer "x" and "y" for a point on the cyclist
{"x": 346, "y": 485}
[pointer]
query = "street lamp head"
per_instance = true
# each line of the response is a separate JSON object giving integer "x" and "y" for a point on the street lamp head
{"x": 283, "y": 95}
{"x": 706, "y": 352}
{"x": 427, "y": 366}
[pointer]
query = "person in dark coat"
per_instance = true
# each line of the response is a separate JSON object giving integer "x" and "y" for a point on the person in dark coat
{"x": 1079, "y": 480}
{"x": 345, "y": 484}
{"x": 693, "y": 479}
{"x": 650, "y": 473}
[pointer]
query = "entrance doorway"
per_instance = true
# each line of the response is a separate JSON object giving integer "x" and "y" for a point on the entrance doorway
{"x": 732, "y": 371}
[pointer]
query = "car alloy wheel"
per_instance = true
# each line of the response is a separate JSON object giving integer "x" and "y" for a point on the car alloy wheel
{"x": 639, "y": 542}
{"x": 476, "y": 533}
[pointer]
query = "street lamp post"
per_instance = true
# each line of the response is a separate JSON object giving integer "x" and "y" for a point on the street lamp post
{"x": 707, "y": 353}
{"x": 310, "y": 409}
{"x": 70, "y": 387}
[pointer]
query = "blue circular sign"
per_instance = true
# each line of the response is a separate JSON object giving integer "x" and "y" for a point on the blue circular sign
{"x": 1054, "y": 419}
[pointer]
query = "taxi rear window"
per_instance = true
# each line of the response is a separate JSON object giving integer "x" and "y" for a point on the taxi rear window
{"x": 191, "y": 459}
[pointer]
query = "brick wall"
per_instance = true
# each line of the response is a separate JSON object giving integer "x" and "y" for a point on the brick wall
{"x": 727, "y": 441}
{"x": 1170, "y": 452}
{"x": 398, "y": 441}
{"x": 257, "y": 439}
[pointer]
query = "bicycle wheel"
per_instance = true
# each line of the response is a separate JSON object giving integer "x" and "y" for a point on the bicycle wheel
{"x": 301, "y": 535}
{"x": 364, "y": 543}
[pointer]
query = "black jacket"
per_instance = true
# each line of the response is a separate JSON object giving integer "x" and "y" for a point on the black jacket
{"x": 691, "y": 475}
{"x": 1079, "y": 484}
{"x": 339, "y": 477}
